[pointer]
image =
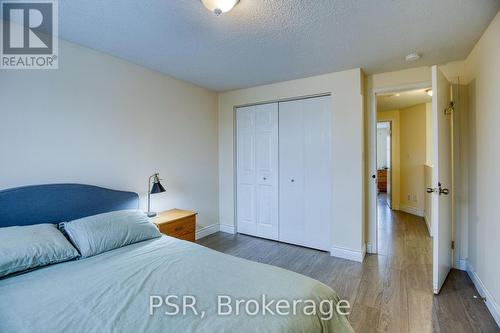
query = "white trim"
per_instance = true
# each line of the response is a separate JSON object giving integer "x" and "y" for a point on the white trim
{"x": 461, "y": 264}
{"x": 349, "y": 254}
{"x": 435, "y": 288}
{"x": 429, "y": 229}
{"x": 206, "y": 231}
{"x": 213, "y": 228}
{"x": 412, "y": 210}
{"x": 490, "y": 301}
{"x": 229, "y": 229}
{"x": 369, "y": 248}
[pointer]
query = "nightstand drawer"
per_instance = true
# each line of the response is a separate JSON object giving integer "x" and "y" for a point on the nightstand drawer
{"x": 179, "y": 227}
{"x": 178, "y": 224}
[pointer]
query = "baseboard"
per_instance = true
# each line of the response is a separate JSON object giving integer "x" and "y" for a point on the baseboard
{"x": 461, "y": 264}
{"x": 229, "y": 229}
{"x": 412, "y": 210}
{"x": 490, "y": 301}
{"x": 206, "y": 231}
{"x": 349, "y": 254}
{"x": 369, "y": 248}
{"x": 213, "y": 228}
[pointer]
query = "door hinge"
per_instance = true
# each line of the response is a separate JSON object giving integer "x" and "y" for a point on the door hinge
{"x": 449, "y": 110}
{"x": 480, "y": 298}
{"x": 453, "y": 245}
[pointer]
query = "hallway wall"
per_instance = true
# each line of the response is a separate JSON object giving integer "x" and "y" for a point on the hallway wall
{"x": 408, "y": 157}
{"x": 483, "y": 78}
{"x": 412, "y": 122}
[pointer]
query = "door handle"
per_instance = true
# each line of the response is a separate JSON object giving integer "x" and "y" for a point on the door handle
{"x": 292, "y": 180}
{"x": 443, "y": 191}
{"x": 439, "y": 190}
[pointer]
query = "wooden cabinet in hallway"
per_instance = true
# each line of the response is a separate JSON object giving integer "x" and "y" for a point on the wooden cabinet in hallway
{"x": 382, "y": 180}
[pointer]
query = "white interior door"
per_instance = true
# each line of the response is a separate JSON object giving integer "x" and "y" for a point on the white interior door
{"x": 257, "y": 170}
{"x": 305, "y": 168}
{"x": 441, "y": 179}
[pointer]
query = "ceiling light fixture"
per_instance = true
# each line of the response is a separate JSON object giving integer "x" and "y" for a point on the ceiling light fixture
{"x": 429, "y": 92}
{"x": 219, "y": 6}
{"x": 412, "y": 57}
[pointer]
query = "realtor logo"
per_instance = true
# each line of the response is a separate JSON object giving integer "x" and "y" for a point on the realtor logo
{"x": 29, "y": 35}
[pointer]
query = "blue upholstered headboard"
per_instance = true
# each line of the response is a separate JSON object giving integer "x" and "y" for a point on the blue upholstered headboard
{"x": 56, "y": 203}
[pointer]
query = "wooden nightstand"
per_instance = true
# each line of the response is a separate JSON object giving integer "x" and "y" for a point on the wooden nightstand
{"x": 177, "y": 223}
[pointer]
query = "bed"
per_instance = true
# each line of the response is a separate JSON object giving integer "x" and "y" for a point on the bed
{"x": 126, "y": 289}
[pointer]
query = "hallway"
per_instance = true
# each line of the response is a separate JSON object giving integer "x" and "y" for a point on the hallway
{"x": 389, "y": 292}
{"x": 406, "y": 246}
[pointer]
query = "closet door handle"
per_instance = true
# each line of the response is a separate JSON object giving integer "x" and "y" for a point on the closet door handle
{"x": 292, "y": 180}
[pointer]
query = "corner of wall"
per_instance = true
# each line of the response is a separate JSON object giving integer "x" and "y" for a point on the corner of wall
{"x": 489, "y": 300}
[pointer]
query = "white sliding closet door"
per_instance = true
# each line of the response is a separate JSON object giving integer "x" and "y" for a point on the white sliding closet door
{"x": 305, "y": 169}
{"x": 257, "y": 170}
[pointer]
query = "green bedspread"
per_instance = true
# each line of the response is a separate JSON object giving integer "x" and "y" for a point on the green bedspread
{"x": 124, "y": 290}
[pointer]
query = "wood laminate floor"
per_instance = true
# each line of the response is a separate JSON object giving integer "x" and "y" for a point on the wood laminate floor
{"x": 389, "y": 292}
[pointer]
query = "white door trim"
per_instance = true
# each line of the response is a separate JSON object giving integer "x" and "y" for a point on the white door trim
{"x": 372, "y": 156}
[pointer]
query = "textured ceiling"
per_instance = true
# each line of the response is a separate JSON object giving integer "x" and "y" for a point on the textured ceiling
{"x": 402, "y": 100}
{"x": 264, "y": 41}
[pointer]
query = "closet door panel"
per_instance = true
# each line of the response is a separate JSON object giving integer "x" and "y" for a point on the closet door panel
{"x": 305, "y": 172}
{"x": 245, "y": 170}
{"x": 291, "y": 151}
{"x": 257, "y": 170}
{"x": 267, "y": 170}
{"x": 317, "y": 171}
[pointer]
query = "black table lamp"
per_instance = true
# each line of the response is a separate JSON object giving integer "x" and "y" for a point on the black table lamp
{"x": 157, "y": 188}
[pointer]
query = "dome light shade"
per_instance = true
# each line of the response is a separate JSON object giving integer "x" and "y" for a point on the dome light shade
{"x": 219, "y": 6}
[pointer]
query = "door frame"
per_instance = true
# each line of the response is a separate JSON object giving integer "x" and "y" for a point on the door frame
{"x": 372, "y": 240}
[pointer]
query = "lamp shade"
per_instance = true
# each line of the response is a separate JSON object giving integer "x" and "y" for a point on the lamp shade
{"x": 157, "y": 187}
{"x": 219, "y": 6}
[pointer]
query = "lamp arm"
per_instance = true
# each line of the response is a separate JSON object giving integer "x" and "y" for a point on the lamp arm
{"x": 149, "y": 192}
